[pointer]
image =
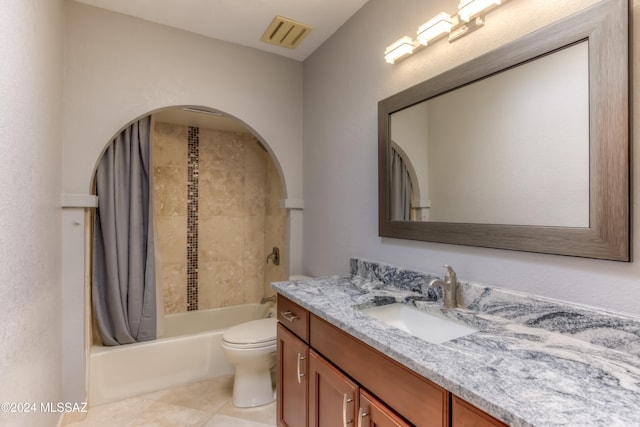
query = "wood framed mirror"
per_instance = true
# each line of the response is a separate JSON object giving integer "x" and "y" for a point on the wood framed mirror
{"x": 570, "y": 197}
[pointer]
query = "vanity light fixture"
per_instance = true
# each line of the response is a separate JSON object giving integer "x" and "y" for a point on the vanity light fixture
{"x": 469, "y": 18}
{"x": 399, "y": 49}
{"x": 465, "y": 28}
{"x": 468, "y": 9}
{"x": 434, "y": 28}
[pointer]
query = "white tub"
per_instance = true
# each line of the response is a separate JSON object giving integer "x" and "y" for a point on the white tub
{"x": 189, "y": 352}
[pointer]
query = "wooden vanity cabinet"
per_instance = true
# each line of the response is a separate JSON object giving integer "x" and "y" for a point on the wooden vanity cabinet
{"x": 328, "y": 378}
{"x": 293, "y": 364}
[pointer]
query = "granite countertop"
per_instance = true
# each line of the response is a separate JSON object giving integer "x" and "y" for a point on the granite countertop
{"x": 533, "y": 362}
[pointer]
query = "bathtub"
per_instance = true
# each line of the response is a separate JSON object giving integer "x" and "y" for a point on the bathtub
{"x": 190, "y": 351}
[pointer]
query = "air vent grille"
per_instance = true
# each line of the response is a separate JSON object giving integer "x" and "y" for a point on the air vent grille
{"x": 286, "y": 32}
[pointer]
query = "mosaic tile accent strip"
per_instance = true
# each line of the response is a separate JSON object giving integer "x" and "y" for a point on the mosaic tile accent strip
{"x": 193, "y": 163}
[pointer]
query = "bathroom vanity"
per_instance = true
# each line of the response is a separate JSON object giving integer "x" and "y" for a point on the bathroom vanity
{"x": 532, "y": 361}
{"x": 329, "y": 378}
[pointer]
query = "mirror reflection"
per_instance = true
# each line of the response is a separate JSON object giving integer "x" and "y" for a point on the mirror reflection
{"x": 571, "y": 120}
{"x": 512, "y": 148}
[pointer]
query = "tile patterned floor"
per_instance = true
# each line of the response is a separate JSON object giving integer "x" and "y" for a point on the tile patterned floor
{"x": 201, "y": 404}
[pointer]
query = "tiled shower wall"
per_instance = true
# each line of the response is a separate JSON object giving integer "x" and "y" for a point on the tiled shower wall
{"x": 216, "y": 201}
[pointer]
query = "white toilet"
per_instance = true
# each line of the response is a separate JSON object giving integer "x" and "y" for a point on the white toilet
{"x": 251, "y": 348}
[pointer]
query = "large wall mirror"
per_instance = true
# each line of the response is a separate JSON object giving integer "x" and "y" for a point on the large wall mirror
{"x": 525, "y": 148}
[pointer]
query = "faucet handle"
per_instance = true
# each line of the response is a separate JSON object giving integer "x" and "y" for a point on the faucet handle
{"x": 450, "y": 272}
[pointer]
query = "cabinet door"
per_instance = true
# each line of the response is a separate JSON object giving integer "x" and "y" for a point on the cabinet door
{"x": 333, "y": 397}
{"x": 293, "y": 395}
{"x": 415, "y": 398}
{"x": 463, "y": 414}
{"x": 374, "y": 413}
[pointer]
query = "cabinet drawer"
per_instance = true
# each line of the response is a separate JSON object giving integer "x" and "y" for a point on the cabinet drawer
{"x": 377, "y": 413}
{"x": 417, "y": 399}
{"x": 293, "y": 317}
{"x": 466, "y": 415}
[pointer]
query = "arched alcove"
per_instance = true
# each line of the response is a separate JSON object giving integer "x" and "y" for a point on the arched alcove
{"x": 218, "y": 186}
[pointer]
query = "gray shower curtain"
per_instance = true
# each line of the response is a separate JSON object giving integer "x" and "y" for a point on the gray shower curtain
{"x": 400, "y": 189}
{"x": 123, "y": 288}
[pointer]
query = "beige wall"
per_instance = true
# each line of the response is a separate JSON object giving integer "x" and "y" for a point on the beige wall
{"x": 239, "y": 218}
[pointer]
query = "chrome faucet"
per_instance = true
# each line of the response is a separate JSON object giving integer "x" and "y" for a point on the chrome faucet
{"x": 450, "y": 287}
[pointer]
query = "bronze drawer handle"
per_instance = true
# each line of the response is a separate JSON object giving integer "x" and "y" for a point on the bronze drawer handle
{"x": 289, "y": 315}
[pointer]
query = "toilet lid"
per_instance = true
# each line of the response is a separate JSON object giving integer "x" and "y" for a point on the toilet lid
{"x": 256, "y": 331}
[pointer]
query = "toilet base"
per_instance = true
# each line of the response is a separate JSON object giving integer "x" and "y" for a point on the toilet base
{"x": 252, "y": 387}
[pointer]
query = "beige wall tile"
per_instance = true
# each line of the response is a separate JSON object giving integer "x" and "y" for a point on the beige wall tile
{"x": 275, "y": 228}
{"x": 253, "y": 280}
{"x": 172, "y": 238}
{"x": 170, "y": 190}
{"x": 221, "y": 238}
{"x": 238, "y": 185}
{"x": 255, "y": 193}
{"x": 221, "y": 192}
{"x": 169, "y": 145}
{"x": 275, "y": 231}
{"x": 256, "y": 157}
{"x": 274, "y": 191}
{"x": 254, "y": 246}
{"x": 174, "y": 278}
{"x": 221, "y": 284}
{"x": 221, "y": 150}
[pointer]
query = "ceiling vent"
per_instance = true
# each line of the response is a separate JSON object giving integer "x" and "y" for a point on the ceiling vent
{"x": 286, "y": 32}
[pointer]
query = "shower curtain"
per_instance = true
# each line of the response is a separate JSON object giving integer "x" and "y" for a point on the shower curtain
{"x": 400, "y": 188}
{"x": 124, "y": 288}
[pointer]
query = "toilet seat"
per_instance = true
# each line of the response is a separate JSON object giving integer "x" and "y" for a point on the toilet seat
{"x": 253, "y": 334}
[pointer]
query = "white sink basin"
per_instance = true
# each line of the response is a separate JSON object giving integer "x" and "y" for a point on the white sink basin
{"x": 429, "y": 327}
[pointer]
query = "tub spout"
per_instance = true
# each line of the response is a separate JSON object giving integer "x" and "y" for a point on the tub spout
{"x": 265, "y": 300}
